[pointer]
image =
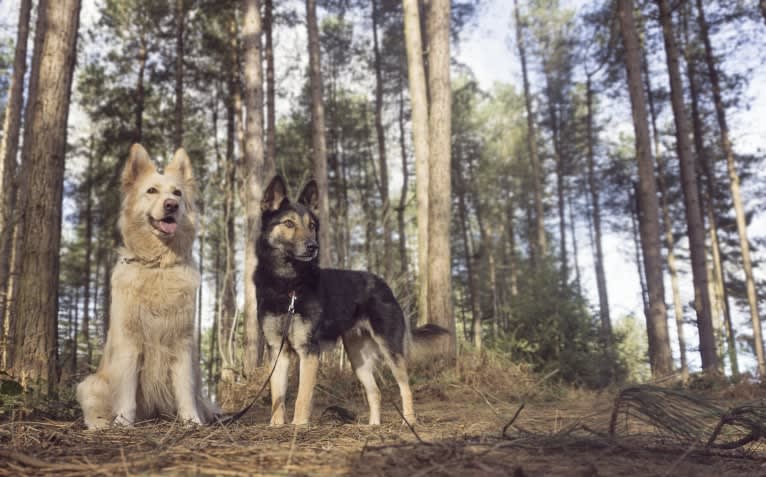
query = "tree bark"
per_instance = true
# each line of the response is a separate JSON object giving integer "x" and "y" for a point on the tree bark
{"x": 468, "y": 254}
{"x": 253, "y": 162}
{"x": 603, "y": 297}
{"x": 539, "y": 245}
{"x": 694, "y": 225}
{"x": 381, "y": 137}
{"x": 178, "y": 133}
{"x": 666, "y": 221}
{"x": 439, "y": 187}
{"x": 228, "y": 303}
{"x": 318, "y": 133}
{"x": 657, "y": 330}
{"x": 739, "y": 208}
{"x": 33, "y": 353}
{"x": 400, "y": 211}
{"x": 88, "y": 254}
{"x": 420, "y": 134}
{"x": 269, "y": 167}
{"x": 9, "y": 148}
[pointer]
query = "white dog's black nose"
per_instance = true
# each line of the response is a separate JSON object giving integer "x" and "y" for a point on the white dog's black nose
{"x": 170, "y": 205}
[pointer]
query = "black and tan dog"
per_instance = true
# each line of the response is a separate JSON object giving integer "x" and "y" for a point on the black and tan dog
{"x": 329, "y": 304}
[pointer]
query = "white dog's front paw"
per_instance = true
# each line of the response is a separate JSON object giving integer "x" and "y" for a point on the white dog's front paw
{"x": 190, "y": 418}
{"x": 124, "y": 419}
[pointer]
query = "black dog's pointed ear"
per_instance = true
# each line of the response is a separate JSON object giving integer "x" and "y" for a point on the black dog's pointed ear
{"x": 275, "y": 193}
{"x": 310, "y": 196}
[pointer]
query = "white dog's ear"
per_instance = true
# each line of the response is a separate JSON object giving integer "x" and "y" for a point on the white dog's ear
{"x": 310, "y": 196}
{"x": 181, "y": 166}
{"x": 275, "y": 193}
{"x": 138, "y": 164}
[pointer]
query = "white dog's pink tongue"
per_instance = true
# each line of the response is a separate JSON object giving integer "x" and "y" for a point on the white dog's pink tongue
{"x": 168, "y": 227}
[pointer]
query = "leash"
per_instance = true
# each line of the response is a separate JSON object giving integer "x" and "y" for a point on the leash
{"x": 243, "y": 411}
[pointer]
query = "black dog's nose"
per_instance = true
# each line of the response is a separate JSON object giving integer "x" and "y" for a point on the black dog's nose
{"x": 170, "y": 205}
{"x": 312, "y": 246}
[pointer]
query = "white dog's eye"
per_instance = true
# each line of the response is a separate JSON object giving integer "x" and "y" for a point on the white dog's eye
{"x": 289, "y": 224}
{"x": 177, "y": 193}
{"x": 151, "y": 190}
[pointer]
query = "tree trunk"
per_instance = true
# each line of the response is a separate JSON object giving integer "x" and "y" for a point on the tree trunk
{"x": 269, "y": 167}
{"x": 420, "y": 134}
{"x": 635, "y": 213}
{"x": 318, "y": 134}
{"x": 400, "y": 211}
{"x": 473, "y": 294}
{"x": 694, "y": 224}
{"x": 657, "y": 329}
{"x": 666, "y": 221}
{"x": 178, "y": 132}
{"x": 555, "y": 134}
{"x": 603, "y": 297}
{"x": 143, "y": 54}
{"x": 381, "y": 137}
{"x": 538, "y": 246}
{"x": 253, "y": 173}
{"x": 575, "y": 251}
{"x": 228, "y": 303}
{"x": 88, "y": 253}
{"x": 439, "y": 167}
{"x": 9, "y": 148}
{"x": 739, "y": 208}
{"x": 33, "y": 353}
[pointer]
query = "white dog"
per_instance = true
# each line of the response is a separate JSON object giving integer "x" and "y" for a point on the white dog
{"x": 150, "y": 365}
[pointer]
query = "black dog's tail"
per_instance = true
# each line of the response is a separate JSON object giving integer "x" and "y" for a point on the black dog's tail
{"x": 423, "y": 340}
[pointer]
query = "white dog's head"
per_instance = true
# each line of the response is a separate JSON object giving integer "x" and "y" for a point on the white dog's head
{"x": 160, "y": 205}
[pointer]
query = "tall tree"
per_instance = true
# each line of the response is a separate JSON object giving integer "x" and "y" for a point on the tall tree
{"x": 381, "y": 138}
{"x": 695, "y": 227}
{"x": 439, "y": 187}
{"x": 319, "y": 152}
{"x": 420, "y": 135}
{"x": 33, "y": 356}
{"x": 660, "y": 357}
{"x": 539, "y": 246}
{"x": 736, "y": 195}
{"x": 253, "y": 162}
{"x": 178, "y": 126}
{"x": 9, "y": 148}
{"x": 603, "y": 297}
{"x": 271, "y": 121}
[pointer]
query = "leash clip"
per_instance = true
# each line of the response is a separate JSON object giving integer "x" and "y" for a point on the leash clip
{"x": 291, "y": 307}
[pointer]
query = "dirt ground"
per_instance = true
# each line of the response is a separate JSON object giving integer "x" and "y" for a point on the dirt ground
{"x": 460, "y": 432}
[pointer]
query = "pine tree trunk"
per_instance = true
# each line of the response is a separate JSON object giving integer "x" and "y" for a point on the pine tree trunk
{"x": 318, "y": 134}
{"x": 400, "y": 211}
{"x": 575, "y": 251}
{"x": 381, "y": 137}
{"x": 468, "y": 254}
{"x": 739, "y": 208}
{"x": 603, "y": 297}
{"x": 539, "y": 245}
{"x": 659, "y": 344}
{"x": 33, "y": 353}
{"x": 88, "y": 253}
{"x": 555, "y": 136}
{"x": 666, "y": 222}
{"x": 178, "y": 132}
{"x": 269, "y": 167}
{"x": 143, "y": 54}
{"x": 635, "y": 213}
{"x": 694, "y": 224}
{"x": 228, "y": 303}
{"x": 9, "y": 148}
{"x": 420, "y": 134}
{"x": 439, "y": 167}
{"x": 253, "y": 173}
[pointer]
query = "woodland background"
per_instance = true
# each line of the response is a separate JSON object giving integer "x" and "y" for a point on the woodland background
{"x": 478, "y": 204}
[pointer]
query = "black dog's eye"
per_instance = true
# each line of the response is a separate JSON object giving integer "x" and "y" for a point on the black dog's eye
{"x": 289, "y": 224}
{"x": 312, "y": 226}
{"x": 177, "y": 193}
{"x": 151, "y": 190}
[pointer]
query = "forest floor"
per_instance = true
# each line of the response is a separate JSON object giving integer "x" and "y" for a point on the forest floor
{"x": 471, "y": 422}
